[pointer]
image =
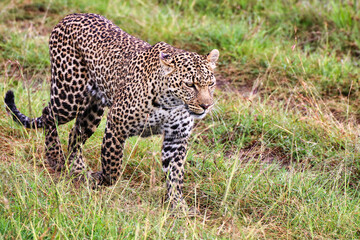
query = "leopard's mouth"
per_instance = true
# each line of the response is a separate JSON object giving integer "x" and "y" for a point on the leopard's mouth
{"x": 198, "y": 116}
{"x": 195, "y": 112}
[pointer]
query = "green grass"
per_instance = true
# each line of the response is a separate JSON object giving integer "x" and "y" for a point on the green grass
{"x": 277, "y": 158}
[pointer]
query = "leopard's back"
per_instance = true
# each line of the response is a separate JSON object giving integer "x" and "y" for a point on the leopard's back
{"x": 88, "y": 53}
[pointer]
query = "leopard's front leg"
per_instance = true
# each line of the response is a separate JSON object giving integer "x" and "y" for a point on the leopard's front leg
{"x": 176, "y": 133}
{"x": 111, "y": 155}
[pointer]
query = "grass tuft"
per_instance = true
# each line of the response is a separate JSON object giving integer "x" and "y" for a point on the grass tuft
{"x": 277, "y": 158}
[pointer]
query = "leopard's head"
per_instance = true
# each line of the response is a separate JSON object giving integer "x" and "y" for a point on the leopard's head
{"x": 190, "y": 77}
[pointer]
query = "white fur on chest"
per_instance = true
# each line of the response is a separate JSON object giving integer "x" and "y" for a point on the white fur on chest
{"x": 163, "y": 120}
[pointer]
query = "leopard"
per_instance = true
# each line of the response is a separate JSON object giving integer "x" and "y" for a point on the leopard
{"x": 145, "y": 89}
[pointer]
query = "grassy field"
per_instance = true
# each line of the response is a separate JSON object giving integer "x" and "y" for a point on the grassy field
{"x": 279, "y": 157}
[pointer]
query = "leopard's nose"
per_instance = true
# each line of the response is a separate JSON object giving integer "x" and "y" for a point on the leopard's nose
{"x": 205, "y": 106}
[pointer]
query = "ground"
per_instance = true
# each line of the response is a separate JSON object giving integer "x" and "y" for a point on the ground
{"x": 277, "y": 158}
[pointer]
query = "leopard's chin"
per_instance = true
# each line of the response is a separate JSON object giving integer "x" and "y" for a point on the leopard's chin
{"x": 198, "y": 116}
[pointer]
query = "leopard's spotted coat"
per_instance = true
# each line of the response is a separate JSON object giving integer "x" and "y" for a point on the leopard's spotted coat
{"x": 148, "y": 89}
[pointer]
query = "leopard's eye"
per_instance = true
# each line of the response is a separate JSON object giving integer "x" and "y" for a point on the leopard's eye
{"x": 190, "y": 84}
{"x": 211, "y": 84}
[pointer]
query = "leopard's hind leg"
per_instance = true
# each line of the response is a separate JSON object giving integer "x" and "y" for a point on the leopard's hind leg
{"x": 49, "y": 120}
{"x": 54, "y": 155}
{"x": 69, "y": 97}
{"x": 86, "y": 123}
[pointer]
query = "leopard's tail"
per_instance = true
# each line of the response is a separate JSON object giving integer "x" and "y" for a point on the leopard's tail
{"x": 18, "y": 116}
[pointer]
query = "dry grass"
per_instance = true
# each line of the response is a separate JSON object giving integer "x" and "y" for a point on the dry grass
{"x": 277, "y": 158}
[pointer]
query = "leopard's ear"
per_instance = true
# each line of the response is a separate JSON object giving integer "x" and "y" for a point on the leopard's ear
{"x": 212, "y": 57}
{"x": 166, "y": 63}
